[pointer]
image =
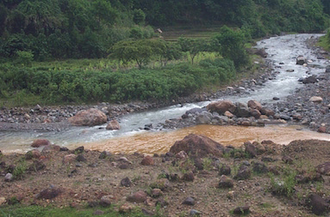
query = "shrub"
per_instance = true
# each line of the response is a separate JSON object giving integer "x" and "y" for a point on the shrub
{"x": 24, "y": 58}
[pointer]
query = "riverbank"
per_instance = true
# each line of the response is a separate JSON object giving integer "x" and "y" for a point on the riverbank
{"x": 260, "y": 178}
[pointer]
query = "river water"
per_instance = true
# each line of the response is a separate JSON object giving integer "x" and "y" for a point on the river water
{"x": 282, "y": 50}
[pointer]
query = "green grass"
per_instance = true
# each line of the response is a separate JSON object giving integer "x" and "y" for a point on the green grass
{"x": 323, "y": 43}
{"x": 38, "y": 211}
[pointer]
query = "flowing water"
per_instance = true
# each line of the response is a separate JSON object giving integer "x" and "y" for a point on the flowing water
{"x": 281, "y": 50}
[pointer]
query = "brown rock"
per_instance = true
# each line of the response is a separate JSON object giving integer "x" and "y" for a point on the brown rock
{"x": 189, "y": 177}
{"x": 137, "y": 197}
{"x": 221, "y": 107}
{"x": 225, "y": 182}
{"x": 229, "y": 114}
{"x": 113, "y": 125}
{"x": 50, "y": 148}
{"x": 147, "y": 161}
{"x": 198, "y": 145}
{"x": 125, "y": 208}
{"x": 255, "y": 113}
{"x": 49, "y": 193}
{"x": 69, "y": 158}
{"x": 322, "y": 129}
{"x": 324, "y": 168}
{"x": 156, "y": 192}
{"x": 250, "y": 149}
{"x": 40, "y": 142}
{"x": 33, "y": 154}
{"x": 181, "y": 155}
{"x": 254, "y": 105}
{"x": 90, "y": 117}
{"x": 317, "y": 204}
{"x": 242, "y": 210}
{"x": 267, "y": 112}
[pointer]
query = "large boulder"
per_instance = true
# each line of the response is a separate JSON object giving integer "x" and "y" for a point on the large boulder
{"x": 113, "y": 125}
{"x": 254, "y": 104}
{"x": 242, "y": 110}
{"x": 221, "y": 107}
{"x": 40, "y": 142}
{"x": 90, "y": 117}
{"x": 198, "y": 145}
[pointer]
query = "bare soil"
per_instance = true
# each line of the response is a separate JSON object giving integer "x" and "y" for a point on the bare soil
{"x": 85, "y": 182}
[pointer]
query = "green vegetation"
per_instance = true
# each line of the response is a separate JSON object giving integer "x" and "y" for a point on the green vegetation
{"x": 38, "y": 211}
{"x": 67, "y": 86}
{"x": 35, "y": 34}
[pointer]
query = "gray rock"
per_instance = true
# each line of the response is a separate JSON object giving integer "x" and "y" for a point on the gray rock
{"x": 225, "y": 182}
{"x": 189, "y": 201}
{"x": 8, "y": 177}
{"x": 317, "y": 204}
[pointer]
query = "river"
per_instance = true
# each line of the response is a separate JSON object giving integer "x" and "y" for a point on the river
{"x": 282, "y": 51}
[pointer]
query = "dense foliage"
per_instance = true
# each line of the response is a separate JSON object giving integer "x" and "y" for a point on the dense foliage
{"x": 65, "y": 86}
{"x": 88, "y": 28}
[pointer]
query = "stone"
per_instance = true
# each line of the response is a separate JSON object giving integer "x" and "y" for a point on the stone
{"x": 259, "y": 167}
{"x": 64, "y": 149}
{"x": 156, "y": 192}
{"x": 124, "y": 159}
{"x": 198, "y": 145}
{"x": 113, "y": 125}
{"x": 69, "y": 158}
{"x": 189, "y": 177}
{"x": 189, "y": 201}
{"x": 224, "y": 170}
{"x": 241, "y": 210}
{"x": 50, "y": 149}
{"x": 225, "y": 182}
{"x": 254, "y": 104}
{"x": 322, "y": 129}
{"x": 301, "y": 60}
{"x": 90, "y": 117}
{"x": 316, "y": 99}
{"x": 35, "y": 153}
{"x": 9, "y": 177}
{"x": 137, "y": 197}
{"x": 147, "y": 161}
{"x": 147, "y": 212}
{"x": 242, "y": 110}
{"x": 310, "y": 80}
{"x": 203, "y": 118}
{"x": 79, "y": 150}
{"x": 181, "y": 155}
{"x": 194, "y": 212}
{"x": 106, "y": 200}
{"x": 261, "y": 52}
{"x": 125, "y": 208}
{"x": 324, "y": 168}
{"x": 255, "y": 113}
{"x": 327, "y": 69}
{"x": 104, "y": 155}
{"x": 2, "y": 201}
{"x": 317, "y": 204}
{"x": 37, "y": 166}
{"x": 250, "y": 149}
{"x": 40, "y": 142}
{"x": 126, "y": 182}
{"x": 229, "y": 114}
{"x": 243, "y": 173}
{"x": 81, "y": 158}
{"x": 221, "y": 107}
{"x": 49, "y": 193}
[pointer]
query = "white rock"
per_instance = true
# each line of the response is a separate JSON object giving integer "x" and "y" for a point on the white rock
{"x": 316, "y": 99}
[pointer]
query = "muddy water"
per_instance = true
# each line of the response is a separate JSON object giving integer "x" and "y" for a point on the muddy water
{"x": 160, "y": 142}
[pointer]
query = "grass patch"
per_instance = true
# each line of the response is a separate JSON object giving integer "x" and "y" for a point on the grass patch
{"x": 38, "y": 211}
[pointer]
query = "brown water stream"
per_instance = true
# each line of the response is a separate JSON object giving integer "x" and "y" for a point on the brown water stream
{"x": 160, "y": 142}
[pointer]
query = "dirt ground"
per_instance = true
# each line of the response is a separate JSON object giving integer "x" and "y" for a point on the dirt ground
{"x": 86, "y": 179}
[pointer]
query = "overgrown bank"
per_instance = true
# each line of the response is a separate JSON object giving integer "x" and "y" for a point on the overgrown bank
{"x": 53, "y": 86}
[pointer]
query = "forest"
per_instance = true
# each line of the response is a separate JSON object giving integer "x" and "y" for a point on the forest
{"x": 122, "y": 32}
